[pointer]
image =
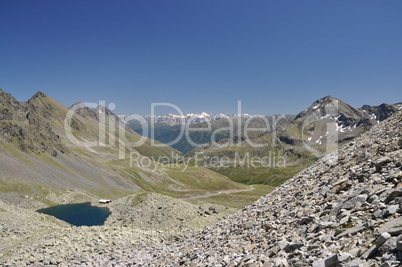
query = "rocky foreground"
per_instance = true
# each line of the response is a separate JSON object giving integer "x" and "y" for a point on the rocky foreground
{"x": 142, "y": 220}
{"x": 345, "y": 210}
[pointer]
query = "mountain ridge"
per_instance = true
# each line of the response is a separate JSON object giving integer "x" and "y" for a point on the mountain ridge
{"x": 325, "y": 125}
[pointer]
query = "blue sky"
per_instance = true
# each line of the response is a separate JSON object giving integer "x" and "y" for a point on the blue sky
{"x": 275, "y": 56}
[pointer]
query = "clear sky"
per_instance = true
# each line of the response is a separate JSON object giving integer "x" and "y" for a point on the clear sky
{"x": 275, "y": 56}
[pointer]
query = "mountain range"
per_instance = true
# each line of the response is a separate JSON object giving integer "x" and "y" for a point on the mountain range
{"x": 41, "y": 152}
{"x": 299, "y": 139}
{"x": 348, "y": 122}
{"x": 190, "y": 118}
{"x": 342, "y": 210}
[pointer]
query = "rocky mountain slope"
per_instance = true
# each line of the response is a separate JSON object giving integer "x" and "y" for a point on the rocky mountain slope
{"x": 382, "y": 111}
{"x": 142, "y": 220}
{"x": 344, "y": 210}
{"x": 22, "y": 126}
{"x": 314, "y": 132}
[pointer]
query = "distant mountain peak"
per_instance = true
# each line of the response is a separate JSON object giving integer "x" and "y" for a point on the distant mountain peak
{"x": 39, "y": 94}
{"x": 102, "y": 109}
{"x": 326, "y": 106}
{"x": 4, "y": 96}
{"x": 382, "y": 111}
{"x": 77, "y": 104}
{"x": 25, "y": 125}
{"x": 327, "y": 100}
{"x": 329, "y": 97}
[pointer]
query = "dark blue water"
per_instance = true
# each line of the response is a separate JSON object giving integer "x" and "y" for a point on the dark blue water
{"x": 78, "y": 214}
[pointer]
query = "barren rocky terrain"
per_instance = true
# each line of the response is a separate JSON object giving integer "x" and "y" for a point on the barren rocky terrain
{"x": 142, "y": 220}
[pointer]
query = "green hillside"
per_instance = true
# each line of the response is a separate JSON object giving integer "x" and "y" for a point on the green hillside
{"x": 43, "y": 162}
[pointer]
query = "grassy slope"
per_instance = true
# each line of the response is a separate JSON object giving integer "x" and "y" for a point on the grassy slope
{"x": 240, "y": 199}
{"x": 266, "y": 176}
{"x": 36, "y": 180}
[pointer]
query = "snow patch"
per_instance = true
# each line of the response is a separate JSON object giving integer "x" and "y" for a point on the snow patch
{"x": 326, "y": 116}
{"x": 316, "y": 106}
{"x": 340, "y": 128}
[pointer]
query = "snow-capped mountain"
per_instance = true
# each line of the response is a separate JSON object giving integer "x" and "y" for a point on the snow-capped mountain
{"x": 190, "y": 118}
{"x": 331, "y": 115}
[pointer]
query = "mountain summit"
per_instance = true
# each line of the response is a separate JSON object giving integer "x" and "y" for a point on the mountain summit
{"x": 330, "y": 107}
{"x": 22, "y": 126}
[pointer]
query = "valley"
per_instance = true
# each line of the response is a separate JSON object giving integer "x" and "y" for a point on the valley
{"x": 50, "y": 156}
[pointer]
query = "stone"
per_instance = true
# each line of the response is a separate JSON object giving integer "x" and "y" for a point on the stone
{"x": 291, "y": 247}
{"x": 391, "y": 263}
{"x": 399, "y": 243}
{"x": 356, "y": 263}
{"x": 281, "y": 262}
{"x": 344, "y": 220}
{"x": 370, "y": 252}
{"x": 379, "y": 163}
{"x": 352, "y": 231}
{"x": 387, "y": 247}
{"x": 393, "y": 226}
{"x": 333, "y": 261}
{"x": 392, "y": 209}
{"x": 399, "y": 143}
{"x": 382, "y": 238}
{"x": 394, "y": 194}
{"x": 399, "y": 255}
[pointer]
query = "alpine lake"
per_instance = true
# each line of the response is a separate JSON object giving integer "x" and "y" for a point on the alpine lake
{"x": 81, "y": 214}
